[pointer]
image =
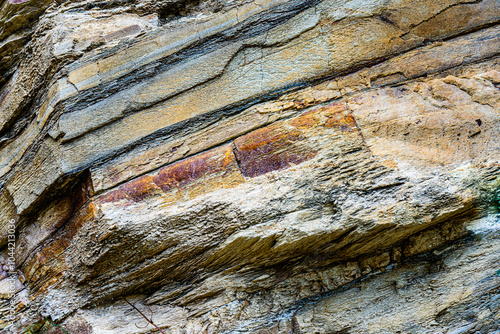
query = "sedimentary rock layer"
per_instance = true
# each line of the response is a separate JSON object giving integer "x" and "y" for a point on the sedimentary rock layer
{"x": 298, "y": 166}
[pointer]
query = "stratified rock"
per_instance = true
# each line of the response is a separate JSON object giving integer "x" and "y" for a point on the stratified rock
{"x": 304, "y": 166}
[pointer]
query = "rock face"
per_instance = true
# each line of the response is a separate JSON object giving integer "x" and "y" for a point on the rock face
{"x": 303, "y": 166}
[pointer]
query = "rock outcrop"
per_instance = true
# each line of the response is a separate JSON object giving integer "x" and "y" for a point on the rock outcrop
{"x": 301, "y": 166}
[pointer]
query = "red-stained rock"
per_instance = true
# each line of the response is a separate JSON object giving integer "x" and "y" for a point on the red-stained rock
{"x": 216, "y": 161}
{"x": 50, "y": 221}
{"x": 216, "y": 168}
{"x": 135, "y": 190}
{"x": 271, "y": 148}
{"x": 44, "y": 267}
{"x": 285, "y": 143}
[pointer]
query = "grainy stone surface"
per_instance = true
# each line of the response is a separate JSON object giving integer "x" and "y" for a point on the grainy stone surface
{"x": 304, "y": 166}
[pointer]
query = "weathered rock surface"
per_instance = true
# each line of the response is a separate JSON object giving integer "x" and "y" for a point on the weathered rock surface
{"x": 299, "y": 166}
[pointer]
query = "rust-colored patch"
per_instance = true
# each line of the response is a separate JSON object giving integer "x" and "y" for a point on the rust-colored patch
{"x": 274, "y": 147}
{"x": 284, "y": 143}
{"x": 193, "y": 176}
{"x": 184, "y": 172}
{"x": 136, "y": 190}
{"x": 307, "y": 120}
{"x": 52, "y": 219}
{"x": 45, "y": 225}
{"x": 48, "y": 263}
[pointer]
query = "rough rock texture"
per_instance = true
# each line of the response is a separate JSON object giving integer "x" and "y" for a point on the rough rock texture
{"x": 301, "y": 166}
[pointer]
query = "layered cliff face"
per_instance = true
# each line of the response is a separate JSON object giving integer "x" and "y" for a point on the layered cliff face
{"x": 299, "y": 166}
